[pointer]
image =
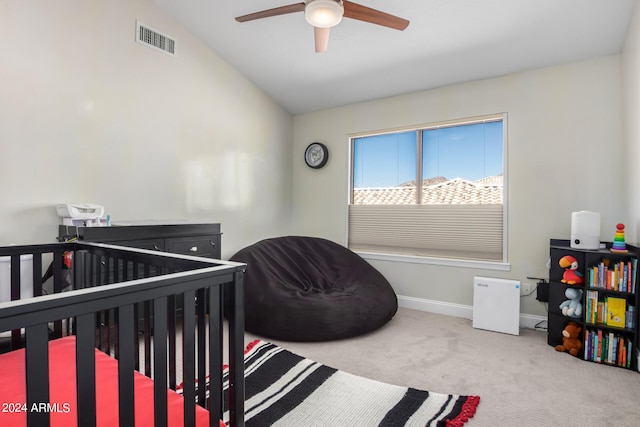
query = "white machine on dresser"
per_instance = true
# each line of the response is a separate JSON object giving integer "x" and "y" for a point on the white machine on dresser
{"x": 80, "y": 214}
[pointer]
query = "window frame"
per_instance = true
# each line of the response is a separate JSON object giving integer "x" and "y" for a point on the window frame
{"x": 502, "y": 265}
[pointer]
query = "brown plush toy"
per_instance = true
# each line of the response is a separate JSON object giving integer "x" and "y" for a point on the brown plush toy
{"x": 571, "y": 339}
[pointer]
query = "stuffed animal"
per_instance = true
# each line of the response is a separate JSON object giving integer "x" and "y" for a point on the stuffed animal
{"x": 571, "y": 342}
{"x": 571, "y": 274}
{"x": 572, "y": 307}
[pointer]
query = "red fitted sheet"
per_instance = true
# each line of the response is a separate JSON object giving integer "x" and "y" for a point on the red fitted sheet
{"x": 62, "y": 373}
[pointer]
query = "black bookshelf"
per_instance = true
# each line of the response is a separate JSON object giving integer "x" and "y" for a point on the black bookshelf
{"x": 610, "y": 285}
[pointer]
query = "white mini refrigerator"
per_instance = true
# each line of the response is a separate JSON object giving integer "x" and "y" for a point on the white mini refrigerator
{"x": 496, "y": 305}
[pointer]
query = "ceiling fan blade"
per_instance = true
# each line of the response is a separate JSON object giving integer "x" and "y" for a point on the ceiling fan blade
{"x": 362, "y": 13}
{"x": 282, "y": 10}
{"x": 321, "y": 36}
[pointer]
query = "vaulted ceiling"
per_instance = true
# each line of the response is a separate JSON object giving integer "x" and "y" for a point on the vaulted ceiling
{"x": 446, "y": 42}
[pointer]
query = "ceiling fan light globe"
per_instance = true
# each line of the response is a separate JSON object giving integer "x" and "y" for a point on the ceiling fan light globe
{"x": 324, "y": 13}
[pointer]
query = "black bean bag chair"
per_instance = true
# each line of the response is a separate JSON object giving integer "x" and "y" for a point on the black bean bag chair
{"x": 311, "y": 289}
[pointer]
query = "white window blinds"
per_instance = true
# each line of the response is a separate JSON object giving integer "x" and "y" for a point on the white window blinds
{"x": 473, "y": 231}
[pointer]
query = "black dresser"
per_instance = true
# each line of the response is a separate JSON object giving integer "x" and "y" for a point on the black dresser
{"x": 180, "y": 237}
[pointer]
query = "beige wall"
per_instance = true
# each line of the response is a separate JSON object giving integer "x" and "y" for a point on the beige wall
{"x": 631, "y": 115}
{"x": 564, "y": 155}
{"x": 89, "y": 115}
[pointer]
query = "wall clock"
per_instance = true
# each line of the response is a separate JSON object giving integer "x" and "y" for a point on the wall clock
{"x": 316, "y": 155}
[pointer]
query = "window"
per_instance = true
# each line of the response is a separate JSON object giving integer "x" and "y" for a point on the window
{"x": 456, "y": 210}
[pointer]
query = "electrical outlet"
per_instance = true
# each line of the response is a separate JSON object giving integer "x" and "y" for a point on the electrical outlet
{"x": 525, "y": 288}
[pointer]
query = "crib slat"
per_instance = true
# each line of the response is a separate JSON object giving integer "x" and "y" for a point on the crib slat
{"x": 136, "y": 350}
{"x": 85, "y": 368}
{"x": 147, "y": 338}
{"x": 57, "y": 287}
{"x": 215, "y": 354}
{"x": 37, "y": 364}
{"x": 116, "y": 333}
{"x": 236, "y": 353}
{"x": 171, "y": 322}
{"x": 126, "y": 365}
{"x": 57, "y": 272}
{"x": 109, "y": 323}
{"x": 201, "y": 305}
{"x": 37, "y": 275}
{"x": 15, "y": 277}
{"x": 16, "y": 335}
{"x": 160, "y": 362}
{"x": 188, "y": 356}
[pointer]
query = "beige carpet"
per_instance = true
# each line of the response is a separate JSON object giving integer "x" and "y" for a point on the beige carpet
{"x": 521, "y": 380}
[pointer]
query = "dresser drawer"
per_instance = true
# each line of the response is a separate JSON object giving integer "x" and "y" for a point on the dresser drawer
{"x": 205, "y": 246}
{"x": 152, "y": 244}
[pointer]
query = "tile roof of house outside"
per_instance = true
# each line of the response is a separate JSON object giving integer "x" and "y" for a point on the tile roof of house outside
{"x": 435, "y": 191}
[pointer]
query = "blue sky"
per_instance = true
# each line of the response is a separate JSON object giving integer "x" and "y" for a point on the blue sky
{"x": 470, "y": 151}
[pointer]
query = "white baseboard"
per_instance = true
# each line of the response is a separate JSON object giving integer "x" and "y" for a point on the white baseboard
{"x": 528, "y": 321}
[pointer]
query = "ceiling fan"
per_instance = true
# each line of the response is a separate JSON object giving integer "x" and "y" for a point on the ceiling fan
{"x": 324, "y": 14}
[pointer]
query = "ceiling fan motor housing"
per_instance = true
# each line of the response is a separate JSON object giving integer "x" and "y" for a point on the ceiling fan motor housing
{"x": 324, "y": 13}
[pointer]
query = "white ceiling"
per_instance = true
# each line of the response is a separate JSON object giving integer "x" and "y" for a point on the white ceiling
{"x": 447, "y": 42}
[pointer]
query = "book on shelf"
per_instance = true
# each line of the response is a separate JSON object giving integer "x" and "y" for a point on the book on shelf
{"x": 628, "y": 352}
{"x": 624, "y": 348}
{"x": 595, "y": 310}
{"x": 634, "y": 268}
{"x": 620, "y": 276}
{"x": 607, "y": 347}
{"x": 616, "y": 311}
{"x": 610, "y": 311}
{"x": 630, "y": 316}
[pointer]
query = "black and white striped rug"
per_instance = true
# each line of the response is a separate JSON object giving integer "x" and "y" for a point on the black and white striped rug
{"x": 284, "y": 389}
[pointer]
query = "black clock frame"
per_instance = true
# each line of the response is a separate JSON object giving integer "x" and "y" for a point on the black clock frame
{"x": 325, "y": 155}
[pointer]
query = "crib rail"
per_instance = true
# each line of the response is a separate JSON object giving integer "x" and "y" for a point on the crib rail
{"x": 116, "y": 289}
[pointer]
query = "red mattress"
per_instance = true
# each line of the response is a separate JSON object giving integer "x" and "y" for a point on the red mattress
{"x": 62, "y": 393}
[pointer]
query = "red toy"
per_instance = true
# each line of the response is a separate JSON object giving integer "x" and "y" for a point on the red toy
{"x": 571, "y": 274}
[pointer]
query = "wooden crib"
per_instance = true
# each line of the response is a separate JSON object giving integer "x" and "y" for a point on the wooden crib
{"x": 111, "y": 306}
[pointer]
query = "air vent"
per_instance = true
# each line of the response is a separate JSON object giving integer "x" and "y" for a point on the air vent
{"x": 155, "y": 39}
